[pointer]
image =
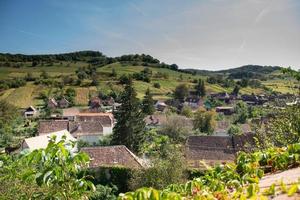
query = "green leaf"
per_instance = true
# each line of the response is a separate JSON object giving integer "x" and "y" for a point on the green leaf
{"x": 154, "y": 195}
{"x": 293, "y": 189}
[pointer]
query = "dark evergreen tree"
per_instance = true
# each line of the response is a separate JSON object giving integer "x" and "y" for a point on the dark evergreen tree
{"x": 200, "y": 88}
{"x": 113, "y": 72}
{"x": 148, "y": 103}
{"x": 130, "y": 126}
{"x": 236, "y": 90}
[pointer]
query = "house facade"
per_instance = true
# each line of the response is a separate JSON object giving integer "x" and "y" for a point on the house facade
{"x": 106, "y": 120}
{"x": 87, "y": 131}
{"x": 30, "y": 112}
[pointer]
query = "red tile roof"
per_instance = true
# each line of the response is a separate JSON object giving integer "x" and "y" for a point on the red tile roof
{"x": 112, "y": 156}
{"x": 50, "y": 126}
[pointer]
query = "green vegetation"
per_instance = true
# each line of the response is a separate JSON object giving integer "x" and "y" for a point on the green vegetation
{"x": 237, "y": 180}
{"x": 130, "y": 120}
{"x": 204, "y": 121}
{"x": 148, "y": 103}
{"x": 92, "y": 72}
{"x": 51, "y": 173}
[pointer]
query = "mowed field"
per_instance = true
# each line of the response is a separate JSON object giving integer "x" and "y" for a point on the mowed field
{"x": 27, "y": 95}
{"x": 283, "y": 86}
{"x": 20, "y": 97}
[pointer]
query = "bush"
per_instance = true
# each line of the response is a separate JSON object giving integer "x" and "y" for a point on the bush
{"x": 104, "y": 193}
{"x": 156, "y": 85}
{"x": 234, "y": 130}
{"x": 118, "y": 176}
{"x": 177, "y": 128}
{"x": 163, "y": 172}
{"x": 187, "y": 111}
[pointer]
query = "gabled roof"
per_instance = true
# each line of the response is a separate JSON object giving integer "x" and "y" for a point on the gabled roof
{"x": 86, "y": 128}
{"x": 215, "y": 149}
{"x": 106, "y": 119}
{"x": 70, "y": 112}
{"x": 52, "y": 101}
{"x": 49, "y": 126}
{"x": 63, "y": 100}
{"x": 42, "y": 141}
{"x": 155, "y": 119}
{"x": 112, "y": 156}
{"x": 30, "y": 109}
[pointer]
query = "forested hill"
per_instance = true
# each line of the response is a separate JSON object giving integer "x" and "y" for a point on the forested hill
{"x": 97, "y": 58}
{"x": 246, "y": 71}
{"x": 92, "y": 57}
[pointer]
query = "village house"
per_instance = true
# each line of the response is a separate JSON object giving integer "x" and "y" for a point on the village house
{"x": 50, "y": 126}
{"x": 106, "y": 120}
{"x": 222, "y": 96}
{"x": 52, "y": 104}
{"x": 109, "y": 101}
{"x": 160, "y": 106}
{"x": 214, "y": 150}
{"x": 95, "y": 102}
{"x": 30, "y": 112}
{"x": 254, "y": 99}
{"x": 88, "y": 127}
{"x": 63, "y": 103}
{"x": 155, "y": 120}
{"x": 193, "y": 102}
{"x": 70, "y": 113}
{"x": 42, "y": 141}
{"x": 226, "y": 110}
{"x": 112, "y": 156}
{"x": 87, "y": 131}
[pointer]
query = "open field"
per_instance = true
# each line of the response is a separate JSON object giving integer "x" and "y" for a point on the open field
{"x": 21, "y": 97}
{"x": 284, "y": 86}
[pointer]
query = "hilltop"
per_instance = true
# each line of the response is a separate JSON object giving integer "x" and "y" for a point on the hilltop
{"x": 246, "y": 71}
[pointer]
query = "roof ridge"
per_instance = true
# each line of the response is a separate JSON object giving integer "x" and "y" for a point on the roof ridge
{"x": 134, "y": 156}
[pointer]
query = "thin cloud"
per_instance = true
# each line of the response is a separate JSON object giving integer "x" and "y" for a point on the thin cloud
{"x": 137, "y": 8}
{"x": 261, "y": 15}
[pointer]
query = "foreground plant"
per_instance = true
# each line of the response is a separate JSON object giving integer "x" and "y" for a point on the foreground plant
{"x": 237, "y": 180}
{"x": 52, "y": 173}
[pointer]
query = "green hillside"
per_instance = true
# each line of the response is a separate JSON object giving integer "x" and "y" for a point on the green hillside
{"x": 60, "y": 66}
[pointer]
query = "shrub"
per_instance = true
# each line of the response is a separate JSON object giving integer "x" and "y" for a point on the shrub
{"x": 156, "y": 85}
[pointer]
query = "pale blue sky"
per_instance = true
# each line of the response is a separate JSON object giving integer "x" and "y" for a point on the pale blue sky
{"x": 203, "y": 34}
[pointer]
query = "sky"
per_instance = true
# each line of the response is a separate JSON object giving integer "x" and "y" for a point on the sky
{"x": 202, "y": 34}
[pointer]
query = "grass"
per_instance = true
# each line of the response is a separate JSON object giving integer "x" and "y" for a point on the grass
{"x": 284, "y": 86}
{"x": 21, "y": 97}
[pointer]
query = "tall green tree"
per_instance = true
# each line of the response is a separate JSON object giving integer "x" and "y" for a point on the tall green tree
{"x": 204, "y": 121}
{"x": 236, "y": 90}
{"x": 181, "y": 92}
{"x": 200, "y": 88}
{"x": 130, "y": 126}
{"x": 148, "y": 103}
{"x": 242, "y": 114}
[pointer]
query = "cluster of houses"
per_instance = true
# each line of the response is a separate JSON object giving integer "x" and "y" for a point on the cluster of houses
{"x": 228, "y": 101}
{"x": 58, "y": 103}
{"x": 200, "y": 151}
{"x": 108, "y": 156}
{"x": 90, "y": 125}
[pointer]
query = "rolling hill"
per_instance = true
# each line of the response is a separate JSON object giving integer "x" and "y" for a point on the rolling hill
{"x": 60, "y": 66}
